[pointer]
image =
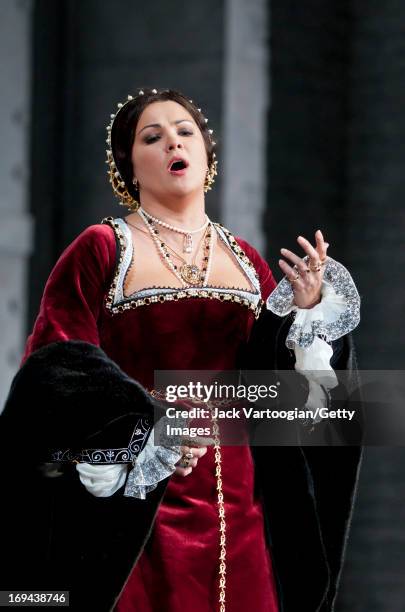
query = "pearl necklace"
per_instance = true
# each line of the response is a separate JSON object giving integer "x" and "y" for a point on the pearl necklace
{"x": 188, "y": 238}
{"x": 189, "y": 274}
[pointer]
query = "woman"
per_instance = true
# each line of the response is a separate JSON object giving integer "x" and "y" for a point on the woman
{"x": 161, "y": 527}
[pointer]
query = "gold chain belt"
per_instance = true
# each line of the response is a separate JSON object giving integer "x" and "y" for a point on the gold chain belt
{"x": 220, "y": 496}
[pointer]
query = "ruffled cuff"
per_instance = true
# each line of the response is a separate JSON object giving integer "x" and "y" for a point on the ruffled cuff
{"x": 153, "y": 464}
{"x": 337, "y": 314}
{"x": 102, "y": 480}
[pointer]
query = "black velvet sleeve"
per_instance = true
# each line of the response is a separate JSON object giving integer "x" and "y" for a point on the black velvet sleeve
{"x": 332, "y": 471}
{"x": 335, "y": 471}
{"x": 70, "y": 395}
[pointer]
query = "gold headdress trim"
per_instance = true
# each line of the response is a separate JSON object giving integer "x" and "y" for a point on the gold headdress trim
{"x": 118, "y": 184}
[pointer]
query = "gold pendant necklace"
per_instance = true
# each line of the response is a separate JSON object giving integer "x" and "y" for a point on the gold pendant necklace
{"x": 191, "y": 274}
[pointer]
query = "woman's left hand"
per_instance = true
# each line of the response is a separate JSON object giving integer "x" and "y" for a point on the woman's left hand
{"x": 306, "y": 276}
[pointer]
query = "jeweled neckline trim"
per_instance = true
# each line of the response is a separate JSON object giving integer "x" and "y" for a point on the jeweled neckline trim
{"x": 117, "y": 303}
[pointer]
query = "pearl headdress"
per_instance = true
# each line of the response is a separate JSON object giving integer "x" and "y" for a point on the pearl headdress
{"x": 118, "y": 184}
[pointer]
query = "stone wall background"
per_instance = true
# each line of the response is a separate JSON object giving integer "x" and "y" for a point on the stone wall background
{"x": 16, "y": 223}
{"x": 336, "y": 158}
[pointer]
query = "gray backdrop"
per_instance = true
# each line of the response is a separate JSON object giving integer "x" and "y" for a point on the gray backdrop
{"x": 306, "y": 102}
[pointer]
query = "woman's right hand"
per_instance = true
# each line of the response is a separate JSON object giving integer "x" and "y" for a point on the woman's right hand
{"x": 198, "y": 447}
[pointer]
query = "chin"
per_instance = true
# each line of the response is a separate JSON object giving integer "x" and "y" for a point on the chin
{"x": 183, "y": 191}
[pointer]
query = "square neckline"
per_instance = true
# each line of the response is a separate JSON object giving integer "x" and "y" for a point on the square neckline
{"x": 132, "y": 296}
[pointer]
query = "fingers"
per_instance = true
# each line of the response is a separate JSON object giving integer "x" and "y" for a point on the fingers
{"x": 192, "y": 462}
{"x": 197, "y": 454}
{"x": 181, "y": 471}
{"x": 306, "y": 274}
{"x": 291, "y": 273}
{"x": 321, "y": 245}
{"x": 299, "y": 263}
{"x": 308, "y": 248}
{"x": 315, "y": 255}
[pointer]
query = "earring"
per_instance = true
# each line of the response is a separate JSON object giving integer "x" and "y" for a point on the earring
{"x": 135, "y": 182}
{"x": 210, "y": 176}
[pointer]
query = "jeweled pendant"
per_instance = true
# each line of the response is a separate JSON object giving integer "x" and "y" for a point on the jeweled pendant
{"x": 187, "y": 243}
{"x": 191, "y": 274}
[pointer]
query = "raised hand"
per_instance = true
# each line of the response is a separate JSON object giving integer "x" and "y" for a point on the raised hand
{"x": 306, "y": 274}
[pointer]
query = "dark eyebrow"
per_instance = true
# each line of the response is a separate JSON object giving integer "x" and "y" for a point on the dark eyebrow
{"x": 157, "y": 125}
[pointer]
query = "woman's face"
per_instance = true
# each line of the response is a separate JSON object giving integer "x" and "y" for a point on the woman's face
{"x": 165, "y": 132}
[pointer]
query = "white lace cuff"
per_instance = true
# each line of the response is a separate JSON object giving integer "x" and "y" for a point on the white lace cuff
{"x": 153, "y": 464}
{"x": 337, "y": 314}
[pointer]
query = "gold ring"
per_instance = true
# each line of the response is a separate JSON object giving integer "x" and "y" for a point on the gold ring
{"x": 294, "y": 279}
{"x": 185, "y": 461}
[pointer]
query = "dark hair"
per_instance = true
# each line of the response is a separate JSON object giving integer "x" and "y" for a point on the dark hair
{"x": 126, "y": 121}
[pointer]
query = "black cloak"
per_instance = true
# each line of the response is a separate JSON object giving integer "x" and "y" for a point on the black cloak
{"x": 55, "y": 535}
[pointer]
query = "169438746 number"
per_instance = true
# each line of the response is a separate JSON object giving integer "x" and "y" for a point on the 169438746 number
{"x": 9, "y": 599}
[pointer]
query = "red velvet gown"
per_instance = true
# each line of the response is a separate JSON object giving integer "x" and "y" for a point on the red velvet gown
{"x": 83, "y": 299}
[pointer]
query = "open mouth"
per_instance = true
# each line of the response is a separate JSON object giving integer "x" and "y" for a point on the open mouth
{"x": 178, "y": 166}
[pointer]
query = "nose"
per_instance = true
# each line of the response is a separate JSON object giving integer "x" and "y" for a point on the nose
{"x": 174, "y": 146}
{"x": 173, "y": 142}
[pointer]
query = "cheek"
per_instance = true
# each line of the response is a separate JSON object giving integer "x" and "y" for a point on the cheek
{"x": 146, "y": 162}
{"x": 201, "y": 156}
{"x": 199, "y": 164}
